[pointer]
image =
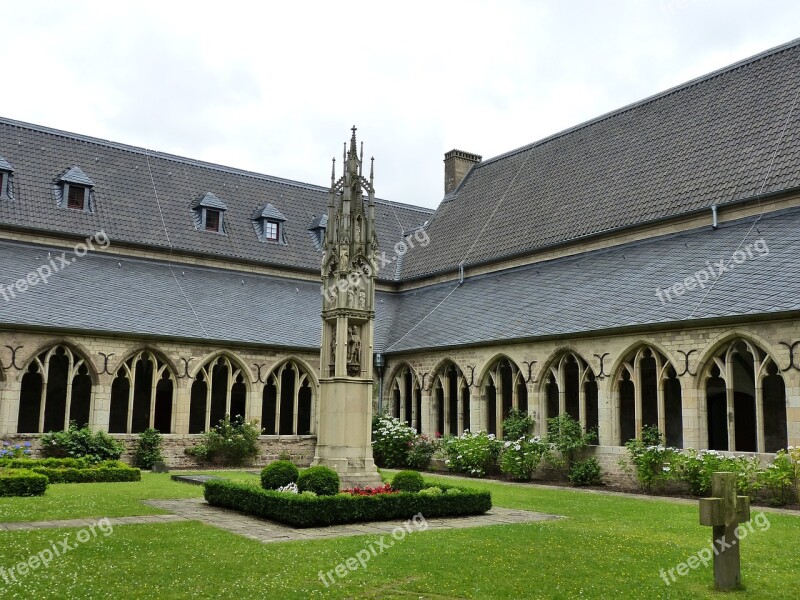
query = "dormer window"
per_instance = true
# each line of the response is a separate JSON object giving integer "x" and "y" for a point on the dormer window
{"x": 271, "y": 230}
{"x": 209, "y": 213}
{"x": 74, "y": 190}
{"x": 6, "y": 180}
{"x": 317, "y": 229}
{"x": 268, "y": 223}
{"x": 212, "y": 220}
{"x": 76, "y": 197}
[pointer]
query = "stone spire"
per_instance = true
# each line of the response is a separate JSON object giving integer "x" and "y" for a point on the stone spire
{"x": 348, "y": 314}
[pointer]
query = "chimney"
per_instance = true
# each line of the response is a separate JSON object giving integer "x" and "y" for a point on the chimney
{"x": 456, "y": 164}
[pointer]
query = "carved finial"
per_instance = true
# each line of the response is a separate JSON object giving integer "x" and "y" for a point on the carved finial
{"x": 361, "y": 161}
{"x": 333, "y": 171}
{"x": 344, "y": 155}
{"x": 371, "y": 169}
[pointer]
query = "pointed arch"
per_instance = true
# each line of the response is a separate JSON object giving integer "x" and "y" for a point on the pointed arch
{"x": 143, "y": 393}
{"x": 502, "y": 388}
{"x": 75, "y": 347}
{"x": 647, "y": 392}
{"x": 289, "y": 396}
{"x": 743, "y": 396}
{"x": 450, "y": 410}
{"x": 220, "y": 388}
{"x": 404, "y": 395}
{"x": 568, "y": 385}
{"x": 57, "y": 387}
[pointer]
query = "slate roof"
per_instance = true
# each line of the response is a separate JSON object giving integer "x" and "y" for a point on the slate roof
{"x": 269, "y": 212}
{"x": 609, "y": 289}
{"x": 209, "y": 200}
{"x": 705, "y": 142}
{"x": 130, "y": 203}
{"x": 5, "y": 165}
{"x": 77, "y": 176}
{"x": 599, "y": 290}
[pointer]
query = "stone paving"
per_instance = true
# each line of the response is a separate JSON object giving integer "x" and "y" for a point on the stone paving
{"x": 197, "y": 509}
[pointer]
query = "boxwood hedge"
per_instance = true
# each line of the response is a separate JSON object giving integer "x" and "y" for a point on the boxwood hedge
{"x": 313, "y": 511}
{"x": 76, "y": 470}
{"x": 21, "y": 482}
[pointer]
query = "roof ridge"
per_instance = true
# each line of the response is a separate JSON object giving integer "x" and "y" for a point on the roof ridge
{"x": 186, "y": 160}
{"x": 646, "y": 100}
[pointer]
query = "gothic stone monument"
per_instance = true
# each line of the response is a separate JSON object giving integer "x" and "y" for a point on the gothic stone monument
{"x": 348, "y": 315}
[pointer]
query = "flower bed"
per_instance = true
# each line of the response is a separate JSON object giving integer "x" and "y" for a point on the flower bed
{"x": 75, "y": 470}
{"x": 305, "y": 510}
{"x": 21, "y": 482}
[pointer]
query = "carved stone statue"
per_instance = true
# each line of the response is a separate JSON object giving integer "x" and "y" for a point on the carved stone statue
{"x": 351, "y": 297}
{"x": 344, "y": 255}
{"x": 353, "y": 351}
{"x": 332, "y": 361}
{"x": 362, "y": 298}
{"x": 357, "y": 236}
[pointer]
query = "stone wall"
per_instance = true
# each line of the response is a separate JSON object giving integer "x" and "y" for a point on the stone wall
{"x": 300, "y": 449}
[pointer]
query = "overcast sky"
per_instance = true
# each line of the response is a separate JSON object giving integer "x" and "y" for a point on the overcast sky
{"x": 275, "y": 86}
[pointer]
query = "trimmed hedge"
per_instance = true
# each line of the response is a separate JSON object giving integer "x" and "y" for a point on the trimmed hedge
{"x": 299, "y": 510}
{"x": 76, "y": 470}
{"x": 21, "y": 482}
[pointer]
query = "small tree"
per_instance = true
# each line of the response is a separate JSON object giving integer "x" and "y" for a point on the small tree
{"x": 566, "y": 436}
{"x": 148, "y": 449}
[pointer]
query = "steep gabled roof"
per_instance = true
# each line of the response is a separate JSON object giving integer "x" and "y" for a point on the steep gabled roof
{"x": 268, "y": 211}
{"x": 709, "y": 141}
{"x": 138, "y": 186}
{"x": 77, "y": 176}
{"x": 5, "y": 165}
{"x": 209, "y": 200}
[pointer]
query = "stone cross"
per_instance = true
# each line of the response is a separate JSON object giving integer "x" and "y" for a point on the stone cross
{"x": 724, "y": 511}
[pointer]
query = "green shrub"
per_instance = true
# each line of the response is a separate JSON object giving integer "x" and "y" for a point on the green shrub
{"x": 566, "y": 435}
{"x": 148, "y": 449}
{"x": 101, "y": 473}
{"x": 517, "y": 425}
{"x": 301, "y": 510}
{"x": 77, "y": 470}
{"x": 472, "y": 453}
{"x": 420, "y": 452}
{"x": 21, "y": 482}
{"x": 696, "y": 468}
{"x": 320, "y": 480}
{"x": 391, "y": 439}
{"x": 649, "y": 459}
{"x": 521, "y": 458}
{"x": 232, "y": 442}
{"x": 431, "y": 491}
{"x": 52, "y": 463}
{"x": 81, "y": 443}
{"x": 279, "y": 474}
{"x": 780, "y": 479}
{"x": 407, "y": 481}
{"x": 586, "y": 472}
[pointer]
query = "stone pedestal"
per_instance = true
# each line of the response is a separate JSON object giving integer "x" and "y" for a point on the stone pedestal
{"x": 344, "y": 439}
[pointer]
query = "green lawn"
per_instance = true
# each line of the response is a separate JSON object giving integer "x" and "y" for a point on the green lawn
{"x": 608, "y": 547}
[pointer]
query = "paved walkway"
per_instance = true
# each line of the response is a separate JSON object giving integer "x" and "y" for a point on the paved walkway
{"x": 197, "y": 509}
